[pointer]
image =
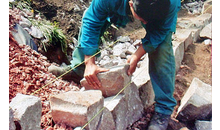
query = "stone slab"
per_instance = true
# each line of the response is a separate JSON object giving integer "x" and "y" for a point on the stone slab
{"x": 77, "y": 108}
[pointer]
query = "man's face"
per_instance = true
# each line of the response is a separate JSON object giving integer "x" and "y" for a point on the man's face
{"x": 134, "y": 14}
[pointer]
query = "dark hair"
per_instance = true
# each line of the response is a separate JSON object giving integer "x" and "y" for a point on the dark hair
{"x": 151, "y": 10}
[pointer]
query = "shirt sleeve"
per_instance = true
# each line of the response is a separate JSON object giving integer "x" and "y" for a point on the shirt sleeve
{"x": 92, "y": 23}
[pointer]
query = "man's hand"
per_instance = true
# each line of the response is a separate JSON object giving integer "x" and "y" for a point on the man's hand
{"x": 91, "y": 72}
{"x": 133, "y": 60}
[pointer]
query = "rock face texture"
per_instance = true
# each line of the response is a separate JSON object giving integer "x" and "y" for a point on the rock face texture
{"x": 11, "y": 120}
{"x": 28, "y": 115}
{"x": 112, "y": 113}
{"x": 112, "y": 81}
{"x": 77, "y": 108}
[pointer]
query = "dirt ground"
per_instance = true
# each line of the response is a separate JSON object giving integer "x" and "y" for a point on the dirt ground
{"x": 67, "y": 13}
{"x": 197, "y": 63}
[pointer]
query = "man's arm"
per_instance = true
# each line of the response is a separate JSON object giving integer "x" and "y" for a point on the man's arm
{"x": 93, "y": 21}
{"x": 133, "y": 60}
{"x": 92, "y": 24}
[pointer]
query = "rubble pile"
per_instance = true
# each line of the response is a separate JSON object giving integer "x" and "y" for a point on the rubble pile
{"x": 117, "y": 53}
{"x": 117, "y": 112}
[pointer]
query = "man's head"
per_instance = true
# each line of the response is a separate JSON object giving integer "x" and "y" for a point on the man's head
{"x": 149, "y": 10}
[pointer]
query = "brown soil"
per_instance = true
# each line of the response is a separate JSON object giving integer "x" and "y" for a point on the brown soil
{"x": 197, "y": 63}
{"x": 68, "y": 14}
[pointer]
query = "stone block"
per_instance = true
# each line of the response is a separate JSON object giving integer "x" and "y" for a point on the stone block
{"x": 107, "y": 121}
{"x": 147, "y": 95}
{"x": 112, "y": 81}
{"x": 135, "y": 106}
{"x": 77, "y": 108}
{"x": 126, "y": 108}
{"x": 118, "y": 108}
{"x": 196, "y": 104}
{"x": 27, "y": 111}
{"x": 178, "y": 50}
{"x": 189, "y": 40}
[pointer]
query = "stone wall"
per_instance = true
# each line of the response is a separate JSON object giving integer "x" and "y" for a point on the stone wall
{"x": 117, "y": 112}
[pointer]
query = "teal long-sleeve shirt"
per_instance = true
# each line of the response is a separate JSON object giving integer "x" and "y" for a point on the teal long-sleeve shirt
{"x": 115, "y": 11}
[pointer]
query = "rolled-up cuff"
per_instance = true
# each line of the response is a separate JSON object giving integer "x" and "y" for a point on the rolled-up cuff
{"x": 89, "y": 51}
{"x": 147, "y": 46}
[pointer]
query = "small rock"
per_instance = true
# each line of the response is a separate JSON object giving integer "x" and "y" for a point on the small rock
{"x": 131, "y": 50}
{"x": 123, "y": 39}
{"x": 137, "y": 42}
{"x": 36, "y": 33}
{"x": 118, "y": 49}
{"x": 208, "y": 42}
{"x": 78, "y": 128}
{"x": 184, "y": 128}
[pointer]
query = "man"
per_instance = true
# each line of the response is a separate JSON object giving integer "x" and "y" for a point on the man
{"x": 159, "y": 18}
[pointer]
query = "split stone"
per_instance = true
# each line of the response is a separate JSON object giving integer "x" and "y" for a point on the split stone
{"x": 207, "y": 31}
{"x": 178, "y": 48}
{"x": 196, "y": 104}
{"x": 107, "y": 121}
{"x": 176, "y": 125}
{"x": 11, "y": 120}
{"x": 77, "y": 108}
{"x": 118, "y": 107}
{"x": 135, "y": 106}
{"x": 147, "y": 95}
{"x": 112, "y": 81}
{"x": 27, "y": 111}
{"x": 203, "y": 125}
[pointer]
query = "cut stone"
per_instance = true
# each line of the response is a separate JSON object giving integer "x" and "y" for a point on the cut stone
{"x": 77, "y": 108}
{"x": 112, "y": 81}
